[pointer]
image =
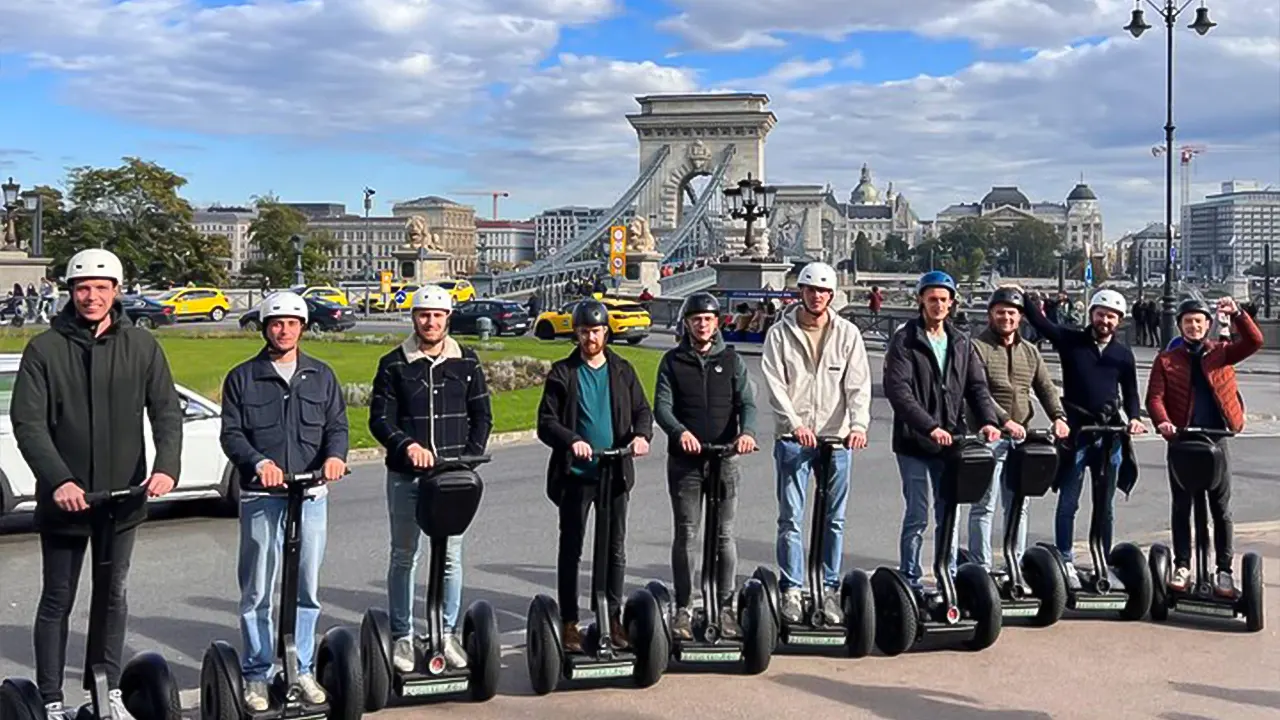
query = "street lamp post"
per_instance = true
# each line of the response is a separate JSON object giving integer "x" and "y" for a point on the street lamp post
{"x": 1170, "y": 13}
{"x": 11, "y": 189}
{"x": 34, "y": 203}
{"x": 368, "y": 238}
{"x": 299, "y": 242}
{"x": 751, "y": 200}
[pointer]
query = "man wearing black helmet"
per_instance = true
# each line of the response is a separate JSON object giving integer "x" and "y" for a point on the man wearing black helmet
{"x": 1014, "y": 368}
{"x": 703, "y": 396}
{"x": 592, "y": 399}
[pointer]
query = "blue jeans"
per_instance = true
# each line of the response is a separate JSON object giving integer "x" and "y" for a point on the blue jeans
{"x": 980, "y": 512}
{"x": 793, "y": 465}
{"x": 918, "y": 474}
{"x": 261, "y": 550}
{"x": 406, "y": 549}
{"x": 1091, "y": 456}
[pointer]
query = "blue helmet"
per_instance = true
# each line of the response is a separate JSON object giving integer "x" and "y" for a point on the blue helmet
{"x": 1176, "y": 342}
{"x": 936, "y": 278}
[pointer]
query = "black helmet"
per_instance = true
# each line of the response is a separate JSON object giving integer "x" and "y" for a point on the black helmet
{"x": 1006, "y": 296}
{"x": 590, "y": 313}
{"x": 1192, "y": 305}
{"x": 699, "y": 303}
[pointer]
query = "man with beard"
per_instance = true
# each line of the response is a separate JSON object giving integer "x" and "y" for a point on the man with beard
{"x": 430, "y": 400}
{"x": 1013, "y": 368}
{"x": 703, "y": 395}
{"x": 815, "y": 367}
{"x": 592, "y": 400}
{"x": 282, "y": 414}
{"x": 1194, "y": 385}
{"x": 79, "y": 397}
{"x": 1098, "y": 378}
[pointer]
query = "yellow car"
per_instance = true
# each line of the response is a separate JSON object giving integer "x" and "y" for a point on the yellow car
{"x": 190, "y": 303}
{"x": 627, "y": 321}
{"x": 323, "y": 292}
{"x": 400, "y": 298}
{"x": 461, "y": 290}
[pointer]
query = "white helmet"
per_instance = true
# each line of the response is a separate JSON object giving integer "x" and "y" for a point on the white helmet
{"x": 95, "y": 263}
{"x": 819, "y": 275}
{"x": 433, "y": 297}
{"x": 1109, "y": 299}
{"x": 283, "y": 304}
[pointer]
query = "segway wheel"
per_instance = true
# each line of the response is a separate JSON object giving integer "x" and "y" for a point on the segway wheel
{"x": 963, "y": 556}
{"x": 20, "y": 699}
{"x": 338, "y": 668}
{"x": 1131, "y": 568}
{"x": 978, "y": 597}
{"x": 484, "y": 650}
{"x": 859, "y": 607}
{"x": 1040, "y": 570}
{"x": 666, "y": 608}
{"x": 543, "y": 649}
{"x": 641, "y": 618}
{"x": 149, "y": 690}
{"x": 1251, "y": 594}
{"x": 375, "y": 658}
{"x": 1161, "y": 571}
{"x": 758, "y": 632}
{"x": 221, "y": 688}
{"x": 769, "y": 581}
{"x": 896, "y": 619}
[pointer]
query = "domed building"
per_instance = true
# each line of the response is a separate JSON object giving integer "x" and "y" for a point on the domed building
{"x": 868, "y": 212}
{"x": 1078, "y": 220}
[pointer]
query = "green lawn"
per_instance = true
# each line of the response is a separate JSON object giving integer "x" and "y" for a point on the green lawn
{"x": 201, "y": 363}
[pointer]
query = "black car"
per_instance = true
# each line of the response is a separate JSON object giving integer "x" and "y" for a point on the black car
{"x": 325, "y": 317}
{"x": 147, "y": 313}
{"x": 508, "y": 318}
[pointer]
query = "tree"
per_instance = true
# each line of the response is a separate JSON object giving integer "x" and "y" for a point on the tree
{"x": 896, "y": 248}
{"x": 862, "y": 252}
{"x": 272, "y": 232}
{"x": 1028, "y": 248}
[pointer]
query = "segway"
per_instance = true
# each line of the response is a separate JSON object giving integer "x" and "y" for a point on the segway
{"x": 550, "y": 662}
{"x": 1034, "y": 588}
{"x": 710, "y": 645}
{"x": 448, "y": 497}
{"x": 856, "y": 601}
{"x": 147, "y": 688}
{"x": 1120, "y": 583}
{"x": 1196, "y": 464}
{"x": 964, "y": 610}
{"x": 337, "y": 656}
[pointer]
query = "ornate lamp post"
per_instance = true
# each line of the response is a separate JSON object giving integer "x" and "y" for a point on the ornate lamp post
{"x": 11, "y": 189}
{"x": 299, "y": 242}
{"x": 1170, "y": 12}
{"x": 751, "y": 200}
{"x": 34, "y": 203}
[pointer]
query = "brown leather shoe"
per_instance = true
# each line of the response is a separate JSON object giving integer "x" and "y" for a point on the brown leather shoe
{"x": 617, "y": 632}
{"x": 572, "y": 637}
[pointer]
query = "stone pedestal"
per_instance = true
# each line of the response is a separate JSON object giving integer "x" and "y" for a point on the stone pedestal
{"x": 419, "y": 265}
{"x": 16, "y": 266}
{"x": 643, "y": 270}
{"x": 1237, "y": 286}
{"x": 751, "y": 275}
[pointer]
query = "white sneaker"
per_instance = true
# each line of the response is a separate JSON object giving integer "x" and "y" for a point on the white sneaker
{"x": 1073, "y": 575}
{"x": 1225, "y": 585}
{"x": 403, "y": 656}
{"x": 255, "y": 696}
{"x": 312, "y": 693}
{"x": 792, "y": 607}
{"x": 54, "y": 711}
{"x": 116, "y": 701}
{"x": 453, "y": 652}
{"x": 1181, "y": 578}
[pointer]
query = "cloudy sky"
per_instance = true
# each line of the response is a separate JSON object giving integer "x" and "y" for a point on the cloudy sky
{"x": 314, "y": 99}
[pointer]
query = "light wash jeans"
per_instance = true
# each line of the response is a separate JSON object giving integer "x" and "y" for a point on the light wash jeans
{"x": 1089, "y": 456}
{"x": 980, "y": 512}
{"x": 261, "y": 551}
{"x": 793, "y": 465}
{"x": 918, "y": 474}
{"x": 406, "y": 549}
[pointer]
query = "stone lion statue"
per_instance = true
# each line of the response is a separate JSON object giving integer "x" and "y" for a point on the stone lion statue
{"x": 419, "y": 235}
{"x": 639, "y": 239}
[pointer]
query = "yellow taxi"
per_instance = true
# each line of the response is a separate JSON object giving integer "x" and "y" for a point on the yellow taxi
{"x": 628, "y": 321}
{"x": 461, "y": 290}
{"x": 191, "y": 303}
{"x": 400, "y": 298}
{"x": 323, "y": 292}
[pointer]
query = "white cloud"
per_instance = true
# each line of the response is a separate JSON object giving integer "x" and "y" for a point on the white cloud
{"x": 853, "y": 59}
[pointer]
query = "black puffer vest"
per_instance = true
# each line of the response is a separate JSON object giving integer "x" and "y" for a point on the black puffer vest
{"x": 705, "y": 394}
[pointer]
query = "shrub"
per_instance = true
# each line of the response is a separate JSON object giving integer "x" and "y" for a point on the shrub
{"x": 514, "y": 373}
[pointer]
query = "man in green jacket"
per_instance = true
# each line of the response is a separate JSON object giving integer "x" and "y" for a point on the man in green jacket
{"x": 78, "y": 402}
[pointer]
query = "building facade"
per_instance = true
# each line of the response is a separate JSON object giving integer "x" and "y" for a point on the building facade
{"x": 233, "y": 224}
{"x": 555, "y": 228}
{"x": 1225, "y": 233}
{"x": 504, "y": 244}
{"x": 1142, "y": 253}
{"x": 453, "y": 222}
{"x": 868, "y": 213}
{"x": 1078, "y": 220}
{"x": 364, "y": 246}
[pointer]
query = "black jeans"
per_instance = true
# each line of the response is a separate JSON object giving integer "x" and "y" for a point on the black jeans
{"x": 686, "y": 486}
{"x": 575, "y": 506}
{"x": 62, "y": 557}
{"x": 1219, "y": 510}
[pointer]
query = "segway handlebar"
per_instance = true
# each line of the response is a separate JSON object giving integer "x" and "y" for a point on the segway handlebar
{"x": 822, "y": 439}
{"x": 721, "y": 449}
{"x": 612, "y": 452}
{"x": 466, "y": 459}
{"x": 1040, "y": 433}
{"x": 1118, "y": 429}
{"x": 305, "y": 480}
{"x": 98, "y": 497}
{"x": 1207, "y": 432}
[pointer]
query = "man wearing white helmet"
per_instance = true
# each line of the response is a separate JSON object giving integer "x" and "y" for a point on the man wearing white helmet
{"x": 819, "y": 382}
{"x": 429, "y": 401}
{"x": 101, "y": 374}
{"x": 1099, "y": 378}
{"x": 282, "y": 414}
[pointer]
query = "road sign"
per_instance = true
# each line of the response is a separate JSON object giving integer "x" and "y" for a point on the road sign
{"x": 401, "y": 297}
{"x": 617, "y": 249}
{"x": 384, "y": 281}
{"x": 1088, "y": 273}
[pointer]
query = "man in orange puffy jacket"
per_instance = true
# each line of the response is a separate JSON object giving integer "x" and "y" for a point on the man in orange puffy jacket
{"x": 1194, "y": 385}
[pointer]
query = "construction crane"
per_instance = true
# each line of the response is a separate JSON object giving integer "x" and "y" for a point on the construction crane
{"x": 495, "y": 194}
{"x": 1186, "y": 154}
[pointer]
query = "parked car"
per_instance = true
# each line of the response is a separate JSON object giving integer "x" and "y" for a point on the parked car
{"x": 509, "y": 318}
{"x": 147, "y": 313}
{"x": 325, "y": 317}
{"x": 627, "y": 321}
{"x": 322, "y": 292}
{"x": 461, "y": 290}
{"x": 195, "y": 303}
{"x": 206, "y": 472}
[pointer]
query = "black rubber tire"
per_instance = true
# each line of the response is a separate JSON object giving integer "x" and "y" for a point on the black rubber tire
{"x": 1251, "y": 593}
{"x": 640, "y": 618}
{"x": 148, "y": 689}
{"x": 20, "y": 699}
{"x": 338, "y": 668}
{"x": 145, "y": 322}
{"x": 758, "y": 631}
{"x": 896, "y": 621}
{"x": 1131, "y": 567}
{"x": 1044, "y": 576}
{"x": 544, "y": 331}
{"x": 217, "y": 314}
{"x": 375, "y": 658}
{"x": 769, "y": 581}
{"x": 542, "y": 645}
{"x": 634, "y": 340}
{"x": 963, "y": 556}
{"x": 220, "y": 691}
{"x": 666, "y": 605}
{"x": 1160, "y": 564}
{"x": 859, "y": 607}
{"x": 251, "y": 325}
{"x": 484, "y": 650}
{"x": 979, "y": 598}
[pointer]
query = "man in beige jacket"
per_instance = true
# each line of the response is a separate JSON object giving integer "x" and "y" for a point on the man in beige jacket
{"x": 819, "y": 383}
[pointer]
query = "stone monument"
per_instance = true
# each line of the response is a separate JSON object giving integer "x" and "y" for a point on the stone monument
{"x": 644, "y": 262}
{"x": 18, "y": 265}
{"x": 753, "y": 269}
{"x": 420, "y": 260}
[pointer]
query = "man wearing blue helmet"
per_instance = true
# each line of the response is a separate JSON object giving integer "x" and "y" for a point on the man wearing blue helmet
{"x": 931, "y": 372}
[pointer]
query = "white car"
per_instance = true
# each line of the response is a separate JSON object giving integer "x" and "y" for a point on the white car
{"x": 206, "y": 472}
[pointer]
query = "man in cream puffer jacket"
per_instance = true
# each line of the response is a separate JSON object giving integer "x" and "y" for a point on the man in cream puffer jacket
{"x": 819, "y": 384}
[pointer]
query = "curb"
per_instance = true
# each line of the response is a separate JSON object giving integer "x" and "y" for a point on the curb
{"x": 368, "y": 456}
